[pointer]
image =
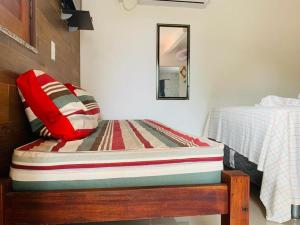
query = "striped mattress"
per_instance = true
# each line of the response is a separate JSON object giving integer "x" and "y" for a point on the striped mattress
{"x": 127, "y": 153}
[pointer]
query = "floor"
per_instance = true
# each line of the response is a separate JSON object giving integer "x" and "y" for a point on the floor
{"x": 257, "y": 217}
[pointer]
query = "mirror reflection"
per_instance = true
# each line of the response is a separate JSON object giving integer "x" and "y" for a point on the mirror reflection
{"x": 173, "y": 62}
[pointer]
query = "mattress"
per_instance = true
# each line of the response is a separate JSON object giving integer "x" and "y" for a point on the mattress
{"x": 127, "y": 153}
{"x": 270, "y": 138}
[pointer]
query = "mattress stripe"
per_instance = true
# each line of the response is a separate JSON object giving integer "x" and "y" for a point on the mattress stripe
{"x": 170, "y": 134}
{"x": 57, "y": 147}
{"x": 48, "y": 158}
{"x": 109, "y": 137}
{"x": 166, "y": 141}
{"x": 139, "y": 136}
{"x": 130, "y": 140}
{"x": 172, "y": 142}
{"x": 87, "y": 144}
{"x": 148, "y": 136}
{"x": 32, "y": 145}
{"x": 188, "y": 138}
{"x": 99, "y": 138}
{"x": 114, "y": 172}
{"x": 177, "y": 179}
{"x": 117, "y": 164}
{"x": 117, "y": 141}
{"x": 104, "y": 141}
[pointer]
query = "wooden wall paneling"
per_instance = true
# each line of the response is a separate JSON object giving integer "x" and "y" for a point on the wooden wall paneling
{"x": 16, "y": 59}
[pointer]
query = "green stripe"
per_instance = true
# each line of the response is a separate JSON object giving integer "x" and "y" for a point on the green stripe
{"x": 89, "y": 141}
{"x": 86, "y": 98}
{"x": 36, "y": 125}
{"x": 181, "y": 179}
{"x": 64, "y": 100}
{"x": 159, "y": 135}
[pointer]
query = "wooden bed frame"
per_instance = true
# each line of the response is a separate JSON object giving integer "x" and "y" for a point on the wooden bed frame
{"x": 229, "y": 198}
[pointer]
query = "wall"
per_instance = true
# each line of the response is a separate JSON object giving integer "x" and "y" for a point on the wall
{"x": 16, "y": 59}
{"x": 241, "y": 50}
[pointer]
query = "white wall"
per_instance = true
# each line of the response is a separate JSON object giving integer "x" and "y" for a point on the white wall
{"x": 241, "y": 50}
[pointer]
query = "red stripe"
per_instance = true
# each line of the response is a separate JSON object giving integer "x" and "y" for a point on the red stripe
{"x": 45, "y": 109}
{"x": 57, "y": 147}
{"x": 139, "y": 135}
{"x": 117, "y": 142}
{"x": 32, "y": 145}
{"x": 45, "y": 79}
{"x": 118, "y": 164}
{"x": 70, "y": 87}
{"x": 186, "y": 137}
{"x": 92, "y": 111}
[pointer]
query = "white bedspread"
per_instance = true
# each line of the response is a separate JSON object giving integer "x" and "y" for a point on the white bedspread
{"x": 269, "y": 137}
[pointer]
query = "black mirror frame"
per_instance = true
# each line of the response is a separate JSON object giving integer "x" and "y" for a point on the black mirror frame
{"x": 188, "y": 27}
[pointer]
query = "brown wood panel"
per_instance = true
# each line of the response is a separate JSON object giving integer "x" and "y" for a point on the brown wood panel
{"x": 5, "y": 185}
{"x": 16, "y": 59}
{"x": 15, "y": 16}
{"x": 239, "y": 190}
{"x": 81, "y": 206}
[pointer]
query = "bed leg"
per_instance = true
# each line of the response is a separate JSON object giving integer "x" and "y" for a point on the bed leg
{"x": 5, "y": 186}
{"x": 239, "y": 190}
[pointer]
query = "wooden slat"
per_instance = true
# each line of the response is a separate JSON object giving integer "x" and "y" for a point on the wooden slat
{"x": 239, "y": 190}
{"x": 61, "y": 207}
{"x": 16, "y": 59}
{"x": 5, "y": 185}
{"x": 4, "y": 102}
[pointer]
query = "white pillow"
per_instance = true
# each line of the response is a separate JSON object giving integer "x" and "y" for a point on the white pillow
{"x": 276, "y": 101}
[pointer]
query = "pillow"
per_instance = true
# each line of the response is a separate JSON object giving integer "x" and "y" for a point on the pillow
{"x": 49, "y": 103}
{"x": 87, "y": 100}
{"x": 276, "y": 101}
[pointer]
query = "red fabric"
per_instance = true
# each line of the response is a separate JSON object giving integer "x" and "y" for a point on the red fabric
{"x": 118, "y": 164}
{"x": 117, "y": 143}
{"x": 71, "y": 88}
{"x": 44, "y": 108}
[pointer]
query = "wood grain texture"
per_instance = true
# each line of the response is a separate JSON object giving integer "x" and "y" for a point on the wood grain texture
{"x": 239, "y": 190}
{"x": 16, "y": 59}
{"x": 98, "y": 205}
{"x": 5, "y": 185}
{"x": 15, "y": 16}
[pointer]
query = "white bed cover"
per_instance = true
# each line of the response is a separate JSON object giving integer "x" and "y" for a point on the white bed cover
{"x": 269, "y": 137}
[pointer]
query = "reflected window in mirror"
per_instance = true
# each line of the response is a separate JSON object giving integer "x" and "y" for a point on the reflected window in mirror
{"x": 173, "y": 57}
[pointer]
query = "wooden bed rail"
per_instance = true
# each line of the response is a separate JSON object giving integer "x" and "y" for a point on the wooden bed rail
{"x": 230, "y": 198}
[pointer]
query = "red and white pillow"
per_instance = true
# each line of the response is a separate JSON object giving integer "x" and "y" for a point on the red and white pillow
{"x": 52, "y": 109}
{"x": 87, "y": 99}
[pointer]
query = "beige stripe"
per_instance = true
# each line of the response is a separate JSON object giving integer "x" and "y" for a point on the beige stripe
{"x": 54, "y": 87}
{"x": 56, "y": 90}
{"x": 129, "y": 137}
{"x": 50, "y": 84}
{"x": 45, "y": 147}
{"x": 104, "y": 139}
{"x": 109, "y": 138}
{"x": 170, "y": 134}
{"x": 155, "y": 142}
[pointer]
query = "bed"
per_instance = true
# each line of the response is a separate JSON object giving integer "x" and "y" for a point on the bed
{"x": 125, "y": 170}
{"x": 269, "y": 139}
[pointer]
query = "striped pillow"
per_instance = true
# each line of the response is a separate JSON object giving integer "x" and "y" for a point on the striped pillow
{"x": 87, "y": 99}
{"x": 52, "y": 109}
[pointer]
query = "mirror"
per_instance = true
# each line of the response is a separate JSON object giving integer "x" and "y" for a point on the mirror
{"x": 173, "y": 56}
